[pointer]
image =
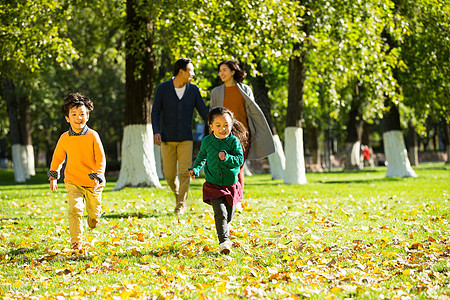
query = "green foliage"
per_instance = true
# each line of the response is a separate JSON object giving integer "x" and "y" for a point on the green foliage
{"x": 31, "y": 36}
{"x": 426, "y": 52}
{"x": 52, "y": 47}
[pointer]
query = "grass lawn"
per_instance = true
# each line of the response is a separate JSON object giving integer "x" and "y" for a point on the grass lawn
{"x": 342, "y": 235}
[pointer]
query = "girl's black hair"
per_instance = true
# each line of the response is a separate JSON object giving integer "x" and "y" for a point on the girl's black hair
{"x": 239, "y": 74}
{"x": 238, "y": 129}
{"x": 76, "y": 100}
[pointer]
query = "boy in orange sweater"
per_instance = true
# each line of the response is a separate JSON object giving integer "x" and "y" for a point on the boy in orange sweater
{"x": 83, "y": 152}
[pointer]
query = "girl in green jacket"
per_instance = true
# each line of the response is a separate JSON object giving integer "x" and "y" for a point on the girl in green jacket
{"x": 222, "y": 155}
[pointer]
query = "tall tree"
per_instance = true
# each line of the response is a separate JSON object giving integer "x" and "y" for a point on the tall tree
{"x": 295, "y": 170}
{"x": 394, "y": 145}
{"x": 138, "y": 161}
{"x": 30, "y": 38}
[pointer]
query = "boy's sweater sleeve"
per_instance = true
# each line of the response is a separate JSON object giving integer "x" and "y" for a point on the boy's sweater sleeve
{"x": 200, "y": 160}
{"x": 100, "y": 160}
{"x": 235, "y": 159}
{"x": 59, "y": 156}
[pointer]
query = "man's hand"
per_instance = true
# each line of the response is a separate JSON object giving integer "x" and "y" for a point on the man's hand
{"x": 53, "y": 184}
{"x": 192, "y": 174}
{"x": 157, "y": 139}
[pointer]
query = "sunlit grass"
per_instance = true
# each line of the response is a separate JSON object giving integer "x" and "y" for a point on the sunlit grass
{"x": 341, "y": 235}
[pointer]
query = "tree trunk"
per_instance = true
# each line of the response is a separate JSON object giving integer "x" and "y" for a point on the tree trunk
{"x": 316, "y": 165}
{"x": 394, "y": 145}
{"x": 25, "y": 130}
{"x": 277, "y": 160}
{"x": 446, "y": 127}
{"x": 261, "y": 93}
{"x": 353, "y": 159}
{"x": 295, "y": 167}
{"x": 17, "y": 151}
{"x": 3, "y": 157}
{"x": 413, "y": 153}
{"x": 138, "y": 167}
{"x": 367, "y": 142}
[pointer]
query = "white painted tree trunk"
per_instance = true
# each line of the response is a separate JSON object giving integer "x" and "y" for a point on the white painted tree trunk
{"x": 295, "y": 160}
{"x": 138, "y": 166}
{"x": 277, "y": 160}
{"x": 30, "y": 160}
{"x": 396, "y": 155}
{"x": 354, "y": 160}
{"x": 247, "y": 171}
{"x": 158, "y": 161}
{"x": 18, "y": 153}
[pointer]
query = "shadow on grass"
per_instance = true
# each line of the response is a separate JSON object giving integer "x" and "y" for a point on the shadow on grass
{"x": 21, "y": 251}
{"x": 365, "y": 181}
{"x": 137, "y": 215}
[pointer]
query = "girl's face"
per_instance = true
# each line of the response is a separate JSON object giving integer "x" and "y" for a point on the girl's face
{"x": 78, "y": 117}
{"x": 221, "y": 126}
{"x": 225, "y": 73}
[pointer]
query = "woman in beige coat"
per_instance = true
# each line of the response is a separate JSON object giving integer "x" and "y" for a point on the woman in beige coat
{"x": 238, "y": 97}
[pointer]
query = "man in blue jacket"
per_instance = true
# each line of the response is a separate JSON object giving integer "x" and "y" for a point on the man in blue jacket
{"x": 172, "y": 114}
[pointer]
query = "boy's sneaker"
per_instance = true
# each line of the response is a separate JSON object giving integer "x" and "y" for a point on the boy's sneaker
{"x": 76, "y": 246}
{"x": 92, "y": 223}
{"x": 225, "y": 247}
{"x": 180, "y": 210}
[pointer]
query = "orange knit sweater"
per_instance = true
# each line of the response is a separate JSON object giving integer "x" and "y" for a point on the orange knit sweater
{"x": 85, "y": 155}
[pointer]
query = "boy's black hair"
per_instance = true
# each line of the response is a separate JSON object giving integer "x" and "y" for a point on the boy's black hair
{"x": 76, "y": 100}
{"x": 181, "y": 64}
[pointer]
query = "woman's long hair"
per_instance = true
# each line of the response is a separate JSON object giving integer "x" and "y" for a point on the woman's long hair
{"x": 238, "y": 129}
{"x": 239, "y": 74}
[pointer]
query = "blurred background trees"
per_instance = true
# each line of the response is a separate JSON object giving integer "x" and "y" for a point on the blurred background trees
{"x": 361, "y": 61}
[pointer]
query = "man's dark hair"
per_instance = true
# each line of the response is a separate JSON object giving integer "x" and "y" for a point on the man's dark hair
{"x": 76, "y": 100}
{"x": 181, "y": 64}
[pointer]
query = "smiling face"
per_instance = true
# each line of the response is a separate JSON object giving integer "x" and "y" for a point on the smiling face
{"x": 221, "y": 126}
{"x": 78, "y": 117}
{"x": 225, "y": 74}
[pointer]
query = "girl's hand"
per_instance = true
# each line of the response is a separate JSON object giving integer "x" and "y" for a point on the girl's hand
{"x": 192, "y": 174}
{"x": 96, "y": 183}
{"x": 53, "y": 184}
{"x": 222, "y": 155}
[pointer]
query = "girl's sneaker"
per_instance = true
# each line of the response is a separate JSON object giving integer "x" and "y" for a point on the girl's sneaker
{"x": 225, "y": 247}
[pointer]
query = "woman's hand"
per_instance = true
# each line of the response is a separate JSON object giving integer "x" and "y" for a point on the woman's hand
{"x": 192, "y": 174}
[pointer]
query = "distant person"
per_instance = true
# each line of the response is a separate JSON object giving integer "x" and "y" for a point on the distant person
{"x": 238, "y": 98}
{"x": 222, "y": 156}
{"x": 84, "y": 175}
{"x": 172, "y": 115}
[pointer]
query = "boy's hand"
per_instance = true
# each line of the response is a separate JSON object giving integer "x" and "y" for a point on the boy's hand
{"x": 96, "y": 183}
{"x": 222, "y": 155}
{"x": 53, "y": 184}
{"x": 192, "y": 174}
